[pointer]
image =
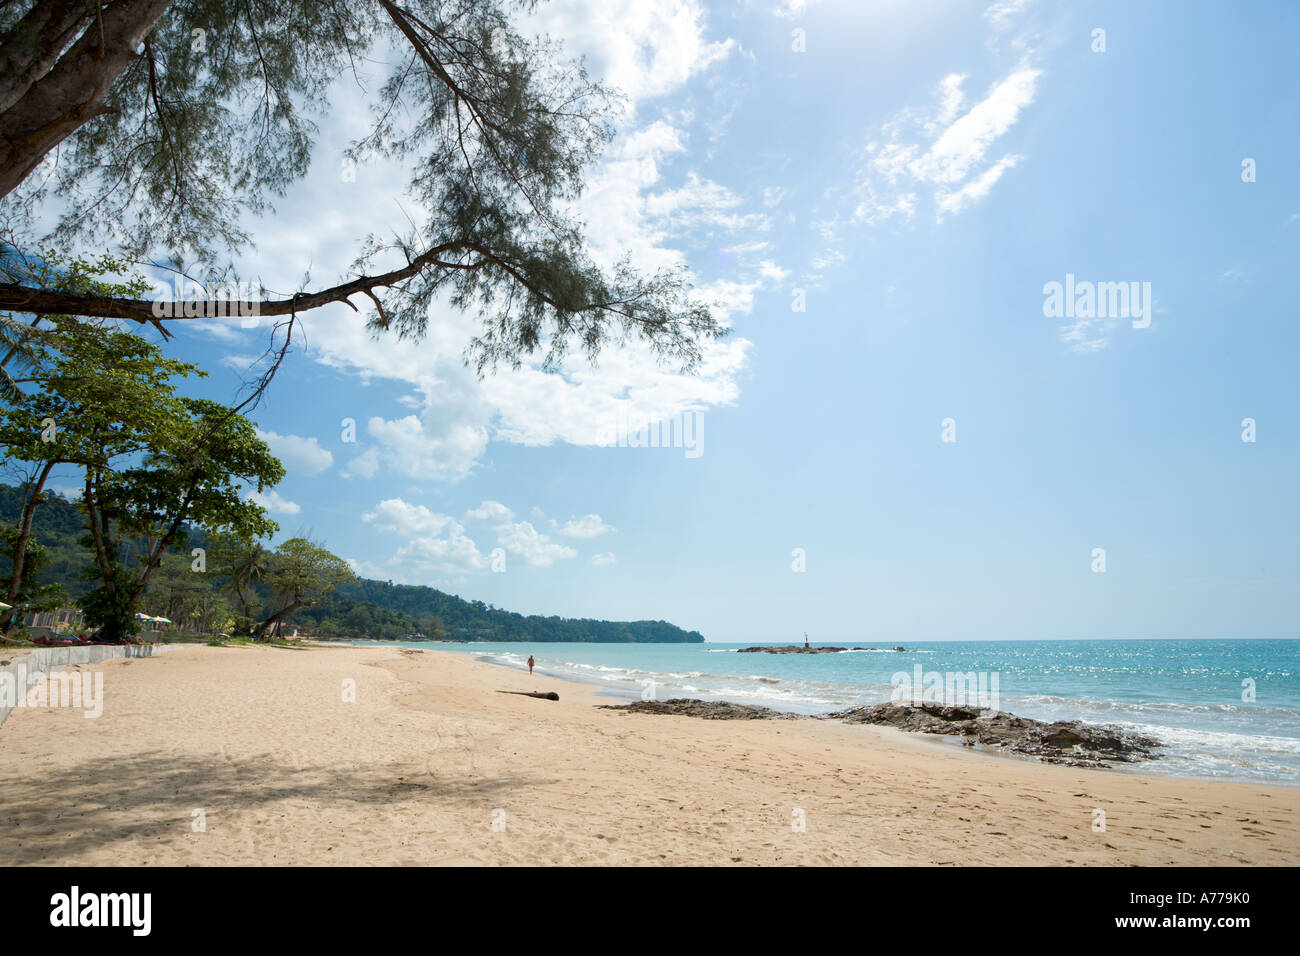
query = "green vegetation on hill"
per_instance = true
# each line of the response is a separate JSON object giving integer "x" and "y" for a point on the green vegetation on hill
{"x": 356, "y": 609}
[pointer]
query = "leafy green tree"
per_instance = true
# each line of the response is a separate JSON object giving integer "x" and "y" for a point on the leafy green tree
{"x": 301, "y": 574}
{"x": 243, "y": 561}
{"x": 199, "y": 456}
{"x": 432, "y": 628}
{"x": 59, "y": 409}
{"x": 497, "y": 130}
{"x": 26, "y": 591}
{"x": 192, "y": 602}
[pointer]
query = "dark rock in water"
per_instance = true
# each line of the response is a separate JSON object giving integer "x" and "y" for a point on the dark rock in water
{"x": 1071, "y": 743}
{"x": 901, "y": 648}
{"x": 797, "y": 649}
{"x": 706, "y": 709}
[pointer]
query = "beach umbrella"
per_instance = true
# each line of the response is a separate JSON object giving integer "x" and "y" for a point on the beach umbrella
{"x": 162, "y": 620}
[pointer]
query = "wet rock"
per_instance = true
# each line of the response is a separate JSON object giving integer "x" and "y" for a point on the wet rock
{"x": 797, "y": 649}
{"x": 1071, "y": 742}
{"x": 706, "y": 709}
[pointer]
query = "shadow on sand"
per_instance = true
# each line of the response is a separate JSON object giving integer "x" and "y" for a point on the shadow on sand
{"x": 150, "y": 797}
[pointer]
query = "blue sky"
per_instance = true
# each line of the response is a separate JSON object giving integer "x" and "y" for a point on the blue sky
{"x": 917, "y": 173}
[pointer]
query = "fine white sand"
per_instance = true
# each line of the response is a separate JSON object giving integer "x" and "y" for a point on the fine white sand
{"x": 419, "y": 768}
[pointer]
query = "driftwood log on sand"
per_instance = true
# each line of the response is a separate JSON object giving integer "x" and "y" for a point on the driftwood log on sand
{"x": 549, "y": 695}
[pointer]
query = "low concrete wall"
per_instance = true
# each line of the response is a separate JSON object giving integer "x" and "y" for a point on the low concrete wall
{"x": 44, "y": 660}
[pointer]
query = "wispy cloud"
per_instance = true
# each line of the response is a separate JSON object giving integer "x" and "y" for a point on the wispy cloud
{"x": 299, "y": 454}
{"x": 954, "y": 164}
{"x": 1001, "y": 14}
{"x": 793, "y": 9}
{"x": 588, "y": 526}
{"x": 274, "y": 502}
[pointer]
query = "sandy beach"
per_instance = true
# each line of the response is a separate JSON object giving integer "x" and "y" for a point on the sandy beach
{"x": 237, "y": 756}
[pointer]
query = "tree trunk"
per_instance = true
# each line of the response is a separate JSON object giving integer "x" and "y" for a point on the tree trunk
{"x": 53, "y": 106}
{"x": 20, "y": 547}
{"x": 96, "y": 532}
{"x": 31, "y": 48}
{"x": 288, "y": 609}
{"x": 154, "y": 554}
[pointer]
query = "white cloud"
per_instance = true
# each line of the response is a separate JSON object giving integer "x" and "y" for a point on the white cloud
{"x": 527, "y": 543}
{"x": 827, "y": 259}
{"x": 1088, "y": 335}
{"x": 953, "y": 165}
{"x": 1000, "y": 14}
{"x": 771, "y": 273}
{"x": 588, "y": 526}
{"x": 240, "y": 363}
{"x": 274, "y": 502}
{"x": 793, "y": 9}
{"x": 632, "y": 207}
{"x": 435, "y": 447}
{"x": 297, "y": 453}
{"x": 977, "y": 188}
{"x": 452, "y": 554}
{"x": 645, "y": 48}
{"x": 603, "y": 560}
{"x": 951, "y": 100}
{"x": 700, "y": 202}
{"x": 963, "y": 144}
{"x": 437, "y": 543}
{"x": 400, "y": 516}
{"x": 492, "y": 512}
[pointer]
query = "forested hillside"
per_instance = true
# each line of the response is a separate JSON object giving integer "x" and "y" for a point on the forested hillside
{"x": 358, "y": 609}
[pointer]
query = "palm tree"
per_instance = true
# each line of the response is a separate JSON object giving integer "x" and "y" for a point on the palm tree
{"x": 244, "y": 562}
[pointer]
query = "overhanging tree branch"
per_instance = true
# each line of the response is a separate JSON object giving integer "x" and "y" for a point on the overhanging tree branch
{"x": 22, "y": 298}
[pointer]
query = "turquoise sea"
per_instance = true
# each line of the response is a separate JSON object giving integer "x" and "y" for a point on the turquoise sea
{"x": 1187, "y": 694}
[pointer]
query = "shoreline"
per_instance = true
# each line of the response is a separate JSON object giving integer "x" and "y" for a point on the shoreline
{"x": 1151, "y": 767}
{"x": 427, "y": 758}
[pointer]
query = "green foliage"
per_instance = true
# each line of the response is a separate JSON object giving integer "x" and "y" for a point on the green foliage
{"x": 242, "y": 561}
{"x": 192, "y": 601}
{"x": 110, "y": 608}
{"x": 200, "y": 132}
{"x": 300, "y": 574}
{"x": 496, "y": 128}
{"x": 24, "y": 343}
{"x": 105, "y": 401}
{"x": 383, "y": 610}
{"x": 196, "y": 462}
{"x": 30, "y": 594}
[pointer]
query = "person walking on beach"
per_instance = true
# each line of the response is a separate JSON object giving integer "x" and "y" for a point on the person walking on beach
{"x": 530, "y": 665}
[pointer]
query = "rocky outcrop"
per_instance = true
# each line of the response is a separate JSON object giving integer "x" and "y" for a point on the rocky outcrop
{"x": 1071, "y": 742}
{"x": 797, "y": 649}
{"x": 706, "y": 709}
